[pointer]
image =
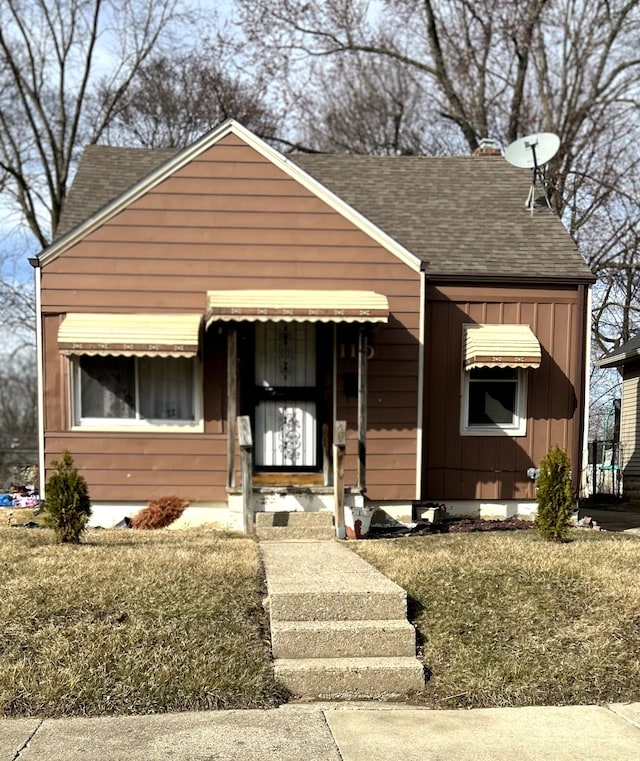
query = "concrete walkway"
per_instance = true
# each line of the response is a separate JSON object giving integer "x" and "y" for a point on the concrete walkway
{"x": 339, "y": 628}
{"x": 335, "y": 732}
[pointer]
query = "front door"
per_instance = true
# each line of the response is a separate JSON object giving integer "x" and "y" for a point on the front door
{"x": 286, "y": 396}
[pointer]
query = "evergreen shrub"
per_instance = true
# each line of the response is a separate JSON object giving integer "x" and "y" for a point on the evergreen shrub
{"x": 160, "y": 513}
{"x": 554, "y": 495}
{"x": 67, "y": 506}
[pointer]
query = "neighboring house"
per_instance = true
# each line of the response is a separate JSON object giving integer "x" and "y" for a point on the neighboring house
{"x": 627, "y": 359}
{"x": 415, "y": 298}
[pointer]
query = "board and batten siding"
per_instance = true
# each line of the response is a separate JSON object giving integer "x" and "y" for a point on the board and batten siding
{"x": 460, "y": 467}
{"x": 230, "y": 219}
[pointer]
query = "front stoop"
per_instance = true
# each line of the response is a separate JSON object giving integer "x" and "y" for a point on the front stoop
{"x": 338, "y": 626}
{"x": 283, "y": 526}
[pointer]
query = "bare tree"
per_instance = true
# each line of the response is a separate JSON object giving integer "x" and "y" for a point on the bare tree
{"x": 174, "y": 99}
{"x": 18, "y": 417}
{"x": 52, "y": 54}
{"x": 17, "y": 316}
{"x": 483, "y": 68}
{"x": 369, "y": 106}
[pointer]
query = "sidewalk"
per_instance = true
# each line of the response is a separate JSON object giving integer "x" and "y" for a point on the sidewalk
{"x": 335, "y": 732}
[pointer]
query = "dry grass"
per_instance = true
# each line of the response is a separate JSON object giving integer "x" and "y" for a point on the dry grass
{"x": 131, "y": 622}
{"x": 509, "y": 620}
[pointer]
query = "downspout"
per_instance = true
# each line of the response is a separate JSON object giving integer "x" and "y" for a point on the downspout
{"x": 420, "y": 412}
{"x": 35, "y": 263}
{"x": 587, "y": 390}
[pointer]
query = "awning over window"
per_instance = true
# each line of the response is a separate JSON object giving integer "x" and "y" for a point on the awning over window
{"x": 500, "y": 346}
{"x": 297, "y": 306}
{"x": 130, "y": 335}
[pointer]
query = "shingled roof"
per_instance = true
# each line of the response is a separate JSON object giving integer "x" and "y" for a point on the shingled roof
{"x": 626, "y": 352}
{"x": 462, "y": 216}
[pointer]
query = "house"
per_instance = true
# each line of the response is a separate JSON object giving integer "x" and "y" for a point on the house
{"x": 626, "y": 358}
{"x": 417, "y": 299}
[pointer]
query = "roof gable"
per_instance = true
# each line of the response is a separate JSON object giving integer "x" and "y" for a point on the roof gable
{"x": 88, "y": 186}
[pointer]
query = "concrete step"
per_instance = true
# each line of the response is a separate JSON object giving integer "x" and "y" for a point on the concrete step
{"x": 325, "y": 581}
{"x": 342, "y": 639}
{"x": 348, "y": 678}
{"x": 298, "y": 518}
{"x": 282, "y": 526}
{"x": 338, "y": 605}
{"x": 295, "y": 533}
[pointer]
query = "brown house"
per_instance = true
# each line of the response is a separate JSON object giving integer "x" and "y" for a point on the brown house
{"x": 415, "y": 298}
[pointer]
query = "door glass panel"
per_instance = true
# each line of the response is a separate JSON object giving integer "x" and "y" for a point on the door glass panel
{"x": 285, "y": 354}
{"x": 286, "y": 434}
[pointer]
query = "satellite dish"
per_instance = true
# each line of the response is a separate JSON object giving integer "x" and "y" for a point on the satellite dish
{"x": 534, "y": 152}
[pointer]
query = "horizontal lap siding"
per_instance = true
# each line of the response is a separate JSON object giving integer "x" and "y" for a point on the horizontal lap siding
{"x": 229, "y": 220}
{"x": 630, "y": 421}
{"x": 487, "y": 467}
{"x": 135, "y": 466}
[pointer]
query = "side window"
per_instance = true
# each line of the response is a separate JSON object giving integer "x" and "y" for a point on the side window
{"x": 494, "y": 401}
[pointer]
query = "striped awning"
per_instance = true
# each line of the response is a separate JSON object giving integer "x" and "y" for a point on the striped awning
{"x": 130, "y": 335}
{"x": 500, "y": 346}
{"x": 296, "y": 306}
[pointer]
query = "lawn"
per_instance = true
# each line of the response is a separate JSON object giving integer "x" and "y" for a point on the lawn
{"x": 142, "y": 622}
{"x": 131, "y": 622}
{"x": 505, "y": 619}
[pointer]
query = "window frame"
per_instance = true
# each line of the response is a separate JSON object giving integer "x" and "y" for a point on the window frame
{"x": 517, "y": 428}
{"x": 137, "y": 423}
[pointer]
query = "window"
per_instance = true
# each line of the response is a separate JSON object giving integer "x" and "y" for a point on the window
{"x": 494, "y": 401}
{"x": 145, "y": 391}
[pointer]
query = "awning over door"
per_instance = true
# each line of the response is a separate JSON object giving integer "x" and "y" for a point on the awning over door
{"x": 500, "y": 346}
{"x": 296, "y": 306}
{"x": 129, "y": 335}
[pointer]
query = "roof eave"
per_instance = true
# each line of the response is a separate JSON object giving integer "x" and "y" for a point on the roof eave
{"x": 501, "y": 279}
{"x": 616, "y": 360}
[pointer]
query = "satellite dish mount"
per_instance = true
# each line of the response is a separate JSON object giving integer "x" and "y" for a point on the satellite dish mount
{"x": 534, "y": 152}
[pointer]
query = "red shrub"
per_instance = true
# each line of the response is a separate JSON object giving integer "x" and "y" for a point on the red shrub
{"x": 159, "y": 513}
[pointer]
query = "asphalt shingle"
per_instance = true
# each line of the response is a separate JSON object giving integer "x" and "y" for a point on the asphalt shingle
{"x": 462, "y": 216}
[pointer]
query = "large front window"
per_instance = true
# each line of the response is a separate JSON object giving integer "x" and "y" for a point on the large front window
{"x": 135, "y": 391}
{"x": 494, "y": 401}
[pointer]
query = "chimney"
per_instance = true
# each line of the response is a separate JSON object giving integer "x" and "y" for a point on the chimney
{"x": 488, "y": 147}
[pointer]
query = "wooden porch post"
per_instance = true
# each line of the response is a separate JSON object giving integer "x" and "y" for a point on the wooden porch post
{"x": 362, "y": 409}
{"x": 232, "y": 402}
{"x": 339, "y": 444}
{"x": 246, "y": 462}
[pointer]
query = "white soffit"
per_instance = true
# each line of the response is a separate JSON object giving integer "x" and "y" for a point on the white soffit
{"x": 130, "y": 335}
{"x": 296, "y": 306}
{"x": 500, "y": 346}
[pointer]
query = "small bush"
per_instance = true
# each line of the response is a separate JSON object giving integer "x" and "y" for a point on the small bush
{"x": 160, "y": 513}
{"x": 67, "y": 506}
{"x": 554, "y": 495}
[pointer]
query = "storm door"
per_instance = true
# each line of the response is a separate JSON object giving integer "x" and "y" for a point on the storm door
{"x": 286, "y": 396}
